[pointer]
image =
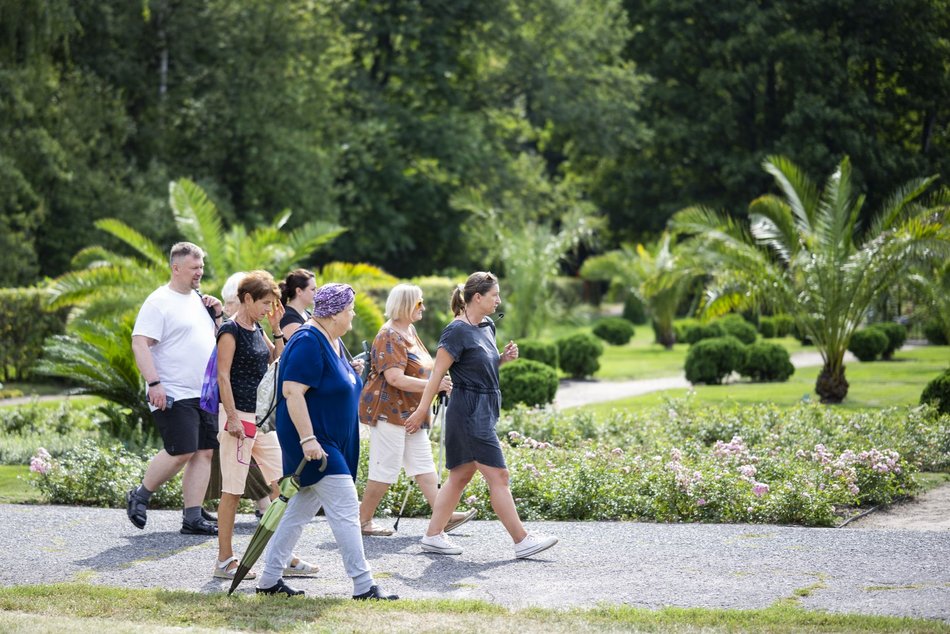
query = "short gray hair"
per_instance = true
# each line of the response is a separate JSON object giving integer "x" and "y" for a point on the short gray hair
{"x": 184, "y": 249}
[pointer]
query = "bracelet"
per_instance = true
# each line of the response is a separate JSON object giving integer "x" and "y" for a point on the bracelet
{"x": 279, "y": 335}
{"x": 307, "y": 439}
{"x": 154, "y": 383}
{"x": 219, "y": 315}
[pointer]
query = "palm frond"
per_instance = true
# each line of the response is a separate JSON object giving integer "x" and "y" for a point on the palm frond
{"x": 199, "y": 221}
{"x": 145, "y": 247}
{"x": 800, "y": 192}
{"x": 897, "y": 204}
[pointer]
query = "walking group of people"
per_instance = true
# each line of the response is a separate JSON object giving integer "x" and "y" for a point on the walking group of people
{"x": 321, "y": 400}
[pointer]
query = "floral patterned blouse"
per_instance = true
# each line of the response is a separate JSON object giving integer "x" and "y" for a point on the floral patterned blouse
{"x": 379, "y": 400}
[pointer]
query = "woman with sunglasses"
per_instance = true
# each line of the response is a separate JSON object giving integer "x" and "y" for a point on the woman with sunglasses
{"x": 400, "y": 366}
{"x": 244, "y": 352}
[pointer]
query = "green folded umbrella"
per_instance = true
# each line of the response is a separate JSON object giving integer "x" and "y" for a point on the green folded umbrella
{"x": 288, "y": 485}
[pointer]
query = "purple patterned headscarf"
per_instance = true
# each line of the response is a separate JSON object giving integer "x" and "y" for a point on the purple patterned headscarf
{"x": 332, "y": 298}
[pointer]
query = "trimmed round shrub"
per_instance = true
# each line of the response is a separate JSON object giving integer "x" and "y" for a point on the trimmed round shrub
{"x": 739, "y": 328}
{"x": 633, "y": 310}
{"x": 712, "y": 360}
{"x": 937, "y": 393}
{"x": 579, "y": 355}
{"x": 536, "y": 350}
{"x": 783, "y": 325}
{"x": 767, "y": 363}
{"x": 682, "y": 329}
{"x": 934, "y": 333}
{"x": 700, "y": 331}
{"x": 867, "y": 344}
{"x": 526, "y": 381}
{"x": 616, "y": 331}
{"x": 768, "y": 327}
{"x": 896, "y": 336}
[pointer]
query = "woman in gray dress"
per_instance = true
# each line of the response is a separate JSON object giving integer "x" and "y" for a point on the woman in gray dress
{"x": 467, "y": 350}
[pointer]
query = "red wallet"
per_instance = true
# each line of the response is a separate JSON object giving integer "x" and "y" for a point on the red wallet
{"x": 250, "y": 429}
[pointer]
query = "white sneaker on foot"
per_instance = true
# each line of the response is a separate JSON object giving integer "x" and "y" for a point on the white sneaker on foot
{"x": 532, "y": 544}
{"x": 439, "y": 544}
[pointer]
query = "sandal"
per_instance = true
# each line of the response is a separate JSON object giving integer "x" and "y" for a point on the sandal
{"x": 136, "y": 509}
{"x": 456, "y": 522}
{"x": 201, "y": 527}
{"x": 301, "y": 569}
{"x": 222, "y": 570}
{"x": 370, "y": 528}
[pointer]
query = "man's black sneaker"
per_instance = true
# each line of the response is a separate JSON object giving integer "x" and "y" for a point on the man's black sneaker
{"x": 374, "y": 594}
{"x": 280, "y": 588}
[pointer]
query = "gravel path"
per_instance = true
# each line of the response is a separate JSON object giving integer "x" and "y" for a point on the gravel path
{"x": 645, "y": 565}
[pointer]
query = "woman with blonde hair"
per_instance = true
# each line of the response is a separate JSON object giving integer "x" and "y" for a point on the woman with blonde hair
{"x": 400, "y": 366}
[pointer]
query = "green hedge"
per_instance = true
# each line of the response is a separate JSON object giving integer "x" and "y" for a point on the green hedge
{"x": 712, "y": 360}
{"x": 868, "y": 344}
{"x": 25, "y": 323}
{"x": 536, "y": 350}
{"x": 896, "y": 336}
{"x": 529, "y": 382}
{"x": 616, "y": 331}
{"x": 739, "y": 328}
{"x": 937, "y": 393}
{"x": 767, "y": 362}
{"x": 579, "y": 355}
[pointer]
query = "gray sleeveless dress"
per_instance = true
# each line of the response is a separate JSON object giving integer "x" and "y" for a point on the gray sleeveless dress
{"x": 476, "y": 398}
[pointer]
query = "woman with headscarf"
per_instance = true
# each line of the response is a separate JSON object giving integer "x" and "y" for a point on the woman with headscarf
{"x": 316, "y": 417}
{"x": 468, "y": 350}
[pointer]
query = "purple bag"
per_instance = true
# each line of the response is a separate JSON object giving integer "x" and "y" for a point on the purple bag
{"x": 209, "y": 387}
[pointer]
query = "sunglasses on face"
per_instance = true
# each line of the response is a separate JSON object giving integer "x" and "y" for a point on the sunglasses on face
{"x": 420, "y": 304}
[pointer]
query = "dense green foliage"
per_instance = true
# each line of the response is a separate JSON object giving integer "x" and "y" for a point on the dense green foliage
{"x": 739, "y": 328}
{"x": 712, "y": 360}
{"x": 766, "y": 362}
{"x": 737, "y": 81}
{"x": 868, "y": 344}
{"x": 772, "y": 326}
{"x": 536, "y": 350}
{"x": 937, "y": 393}
{"x": 579, "y": 354}
{"x": 25, "y": 322}
{"x": 383, "y": 116}
{"x": 896, "y": 336}
{"x": 616, "y": 331}
{"x": 528, "y": 382}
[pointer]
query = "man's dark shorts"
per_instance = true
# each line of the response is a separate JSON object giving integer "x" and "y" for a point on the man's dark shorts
{"x": 186, "y": 428}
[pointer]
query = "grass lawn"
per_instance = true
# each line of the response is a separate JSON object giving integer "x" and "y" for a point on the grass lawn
{"x": 14, "y": 490}
{"x": 873, "y": 385}
{"x": 84, "y": 608}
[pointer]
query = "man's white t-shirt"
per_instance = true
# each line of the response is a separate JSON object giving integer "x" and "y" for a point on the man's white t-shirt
{"x": 181, "y": 325}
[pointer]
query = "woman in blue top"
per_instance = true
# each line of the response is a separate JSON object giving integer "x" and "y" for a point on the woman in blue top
{"x": 468, "y": 351}
{"x": 316, "y": 416}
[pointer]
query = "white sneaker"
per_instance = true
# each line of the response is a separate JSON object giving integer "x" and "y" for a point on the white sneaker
{"x": 439, "y": 544}
{"x": 532, "y": 544}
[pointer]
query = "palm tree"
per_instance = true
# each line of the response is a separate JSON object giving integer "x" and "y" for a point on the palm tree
{"x": 106, "y": 285}
{"x": 107, "y": 289}
{"x": 805, "y": 254}
{"x": 659, "y": 278}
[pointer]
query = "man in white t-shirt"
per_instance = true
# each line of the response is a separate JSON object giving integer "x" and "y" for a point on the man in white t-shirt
{"x": 172, "y": 340}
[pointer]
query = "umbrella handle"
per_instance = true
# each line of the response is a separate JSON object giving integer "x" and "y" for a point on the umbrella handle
{"x": 303, "y": 463}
